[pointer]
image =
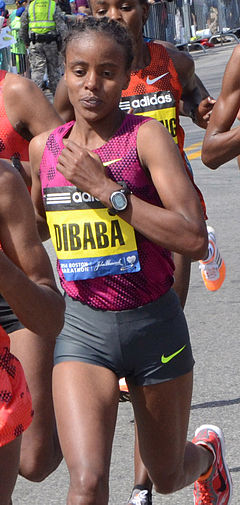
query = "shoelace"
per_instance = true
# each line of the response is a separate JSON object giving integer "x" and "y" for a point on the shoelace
{"x": 204, "y": 495}
{"x": 211, "y": 270}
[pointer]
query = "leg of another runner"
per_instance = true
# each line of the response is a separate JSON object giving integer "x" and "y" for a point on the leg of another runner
{"x": 9, "y": 465}
{"x": 40, "y": 451}
{"x": 181, "y": 277}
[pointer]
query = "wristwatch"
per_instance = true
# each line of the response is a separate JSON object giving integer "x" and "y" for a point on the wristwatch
{"x": 118, "y": 199}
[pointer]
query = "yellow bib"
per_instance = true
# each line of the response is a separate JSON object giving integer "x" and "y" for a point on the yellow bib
{"x": 88, "y": 241}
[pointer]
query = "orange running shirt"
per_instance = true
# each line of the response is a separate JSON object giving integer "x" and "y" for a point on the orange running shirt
{"x": 15, "y": 399}
{"x": 156, "y": 91}
{"x": 11, "y": 142}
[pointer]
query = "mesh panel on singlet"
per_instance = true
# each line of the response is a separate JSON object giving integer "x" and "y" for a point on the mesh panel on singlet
{"x": 15, "y": 399}
{"x": 125, "y": 291}
{"x": 11, "y": 143}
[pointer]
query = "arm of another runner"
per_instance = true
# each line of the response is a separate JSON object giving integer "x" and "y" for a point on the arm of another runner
{"x": 36, "y": 149}
{"x": 221, "y": 143}
{"x": 27, "y": 107}
{"x": 196, "y": 101}
{"x": 179, "y": 226}
{"x": 62, "y": 103}
{"x": 26, "y": 277}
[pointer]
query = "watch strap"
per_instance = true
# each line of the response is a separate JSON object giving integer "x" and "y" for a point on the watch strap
{"x": 126, "y": 191}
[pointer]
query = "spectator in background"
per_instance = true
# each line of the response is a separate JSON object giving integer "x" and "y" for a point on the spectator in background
{"x": 212, "y": 21}
{"x": 5, "y": 51}
{"x": 42, "y": 27}
{"x": 64, "y": 6}
{"x": 4, "y": 13}
{"x": 18, "y": 50}
{"x": 80, "y": 7}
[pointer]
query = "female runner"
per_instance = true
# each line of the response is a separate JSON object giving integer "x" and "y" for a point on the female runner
{"x": 117, "y": 199}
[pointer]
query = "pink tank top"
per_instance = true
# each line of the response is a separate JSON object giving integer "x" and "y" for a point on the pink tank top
{"x": 143, "y": 285}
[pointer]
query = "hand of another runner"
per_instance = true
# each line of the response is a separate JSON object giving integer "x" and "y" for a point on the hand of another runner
{"x": 203, "y": 111}
{"x": 84, "y": 169}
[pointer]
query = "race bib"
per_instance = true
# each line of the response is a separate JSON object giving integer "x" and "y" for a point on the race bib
{"x": 160, "y": 106}
{"x": 88, "y": 241}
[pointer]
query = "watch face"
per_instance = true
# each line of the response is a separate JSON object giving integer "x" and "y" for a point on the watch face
{"x": 119, "y": 201}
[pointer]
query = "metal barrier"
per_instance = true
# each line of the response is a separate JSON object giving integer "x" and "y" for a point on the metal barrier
{"x": 161, "y": 22}
{"x": 180, "y": 20}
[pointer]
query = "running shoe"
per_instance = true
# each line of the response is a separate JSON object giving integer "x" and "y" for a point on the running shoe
{"x": 216, "y": 489}
{"x": 124, "y": 393}
{"x": 213, "y": 270}
{"x": 140, "y": 497}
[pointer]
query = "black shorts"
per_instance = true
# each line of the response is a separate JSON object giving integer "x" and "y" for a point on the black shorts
{"x": 147, "y": 345}
{"x": 8, "y": 320}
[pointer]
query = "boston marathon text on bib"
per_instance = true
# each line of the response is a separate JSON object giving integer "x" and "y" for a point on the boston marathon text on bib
{"x": 88, "y": 241}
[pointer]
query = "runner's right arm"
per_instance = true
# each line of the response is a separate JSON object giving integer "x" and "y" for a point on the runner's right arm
{"x": 36, "y": 149}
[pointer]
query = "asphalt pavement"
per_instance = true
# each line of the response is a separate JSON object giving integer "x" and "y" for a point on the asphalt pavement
{"x": 213, "y": 320}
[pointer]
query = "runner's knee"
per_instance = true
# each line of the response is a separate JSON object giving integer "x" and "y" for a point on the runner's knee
{"x": 38, "y": 463}
{"x": 168, "y": 484}
{"x": 87, "y": 488}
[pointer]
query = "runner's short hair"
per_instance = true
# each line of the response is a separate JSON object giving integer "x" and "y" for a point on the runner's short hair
{"x": 106, "y": 27}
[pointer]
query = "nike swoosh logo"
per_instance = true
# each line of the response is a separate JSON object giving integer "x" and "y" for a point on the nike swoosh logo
{"x": 152, "y": 81}
{"x": 166, "y": 359}
{"x": 107, "y": 163}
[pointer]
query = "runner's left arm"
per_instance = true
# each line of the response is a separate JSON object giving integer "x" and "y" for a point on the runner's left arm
{"x": 180, "y": 226}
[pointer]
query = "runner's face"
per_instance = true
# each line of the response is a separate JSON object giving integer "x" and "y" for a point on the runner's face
{"x": 129, "y": 12}
{"x": 95, "y": 75}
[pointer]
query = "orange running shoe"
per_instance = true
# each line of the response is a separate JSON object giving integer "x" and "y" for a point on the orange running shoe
{"x": 213, "y": 270}
{"x": 124, "y": 393}
{"x": 216, "y": 488}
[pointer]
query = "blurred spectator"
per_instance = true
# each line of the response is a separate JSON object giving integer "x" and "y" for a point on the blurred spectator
{"x": 42, "y": 28}
{"x": 18, "y": 50}
{"x": 4, "y": 52}
{"x": 64, "y": 6}
{"x": 80, "y": 6}
{"x": 212, "y": 21}
{"x": 4, "y": 13}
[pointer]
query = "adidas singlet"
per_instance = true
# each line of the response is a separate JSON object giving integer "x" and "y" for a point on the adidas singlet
{"x": 11, "y": 142}
{"x": 155, "y": 91}
{"x": 79, "y": 238}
